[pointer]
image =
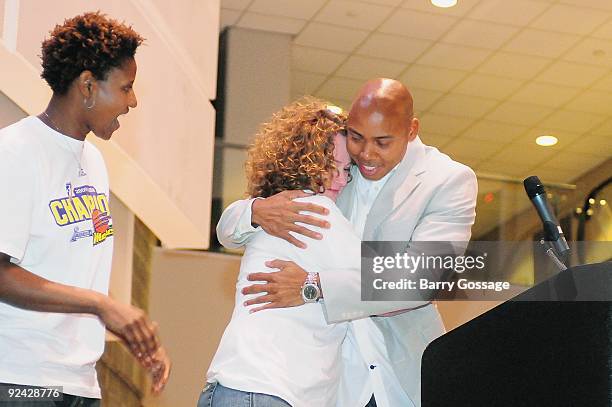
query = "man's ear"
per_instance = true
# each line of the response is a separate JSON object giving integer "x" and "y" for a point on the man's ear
{"x": 86, "y": 84}
{"x": 414, "y": 129}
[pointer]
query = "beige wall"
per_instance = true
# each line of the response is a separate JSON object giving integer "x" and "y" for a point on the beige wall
{"x": 160, "y": 161}
{"x": 256, "y": 84}
{"x": 191, "y": 297}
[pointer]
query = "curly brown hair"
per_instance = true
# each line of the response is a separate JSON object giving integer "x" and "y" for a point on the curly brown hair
{"x": 91, "y": 42}
{"x": 294, "y": 150}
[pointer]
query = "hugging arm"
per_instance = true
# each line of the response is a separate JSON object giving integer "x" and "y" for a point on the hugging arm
{"x": 279, "y": 215}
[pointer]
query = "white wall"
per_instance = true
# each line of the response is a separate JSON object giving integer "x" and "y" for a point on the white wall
{"x": 257, "y": 83}
{"x": 160, "y": 161}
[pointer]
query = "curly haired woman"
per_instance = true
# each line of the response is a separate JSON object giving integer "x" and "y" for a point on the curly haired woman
{"x": 56, "y": 234}
{"x": 288, "y": 357}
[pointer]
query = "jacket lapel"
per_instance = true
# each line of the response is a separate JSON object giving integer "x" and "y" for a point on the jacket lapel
{"x": 402, "y": 183}
{"x": 346, "y": 199}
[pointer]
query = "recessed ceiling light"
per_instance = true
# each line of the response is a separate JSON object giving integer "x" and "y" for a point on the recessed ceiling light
{"x": 444, "y": 3}
{"x": 546, "y": 141}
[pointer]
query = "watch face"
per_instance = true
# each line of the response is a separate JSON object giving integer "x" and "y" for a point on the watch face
{"x": 310, "y": 292}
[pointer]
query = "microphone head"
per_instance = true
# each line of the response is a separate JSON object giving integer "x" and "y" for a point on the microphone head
{"x": 533, "y": 186}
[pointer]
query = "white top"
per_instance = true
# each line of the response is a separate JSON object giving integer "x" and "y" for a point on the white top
{"x": 291, "y": 353}
{"x": 367, "y": 368}
{"x": 57, "y": 225}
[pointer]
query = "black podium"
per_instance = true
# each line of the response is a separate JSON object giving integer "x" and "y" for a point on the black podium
{"x": 550, "y": 346}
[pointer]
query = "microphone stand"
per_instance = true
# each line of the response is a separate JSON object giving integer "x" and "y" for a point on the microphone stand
{"x": 551, "y": 253}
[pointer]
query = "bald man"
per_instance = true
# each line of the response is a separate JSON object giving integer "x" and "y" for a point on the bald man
{"x": 402, "y": 190}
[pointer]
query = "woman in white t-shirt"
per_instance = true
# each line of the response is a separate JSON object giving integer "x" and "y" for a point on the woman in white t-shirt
{"x": 288, "y": 356}
{"x": 56, "y": 229}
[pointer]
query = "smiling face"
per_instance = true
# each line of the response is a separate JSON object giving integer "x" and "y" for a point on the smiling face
{"x": 377, "y": 140}
{"x": 113, "y": 97}
{"x": 339, "y": 178}
{"x": 380, "y": 126}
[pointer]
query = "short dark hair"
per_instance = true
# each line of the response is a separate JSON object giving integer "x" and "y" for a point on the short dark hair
{"x": 91, "y": 42}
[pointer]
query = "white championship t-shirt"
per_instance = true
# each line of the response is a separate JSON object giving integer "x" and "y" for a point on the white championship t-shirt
{"x": 54, "y": 222}
{"x": 291, "y": 353}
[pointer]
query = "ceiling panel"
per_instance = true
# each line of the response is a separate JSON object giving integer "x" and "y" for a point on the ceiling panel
{"x": 423, "y": 98}
{"x": 315, "y": 60}
{"x": 342, "y": 88}
{"x": 392, "y": 3}
{"x": 592, "y": 101}
{"x": 488, "y": 86}
{"x": 573, "y": 121}
{"x": 563, "y": 160}
{"x": 235, "y": 4}
{"x": 353, "y": 14}
{"x": 501, "y": 133}
{"x": 364, "y": 68}
{"x": 393, "y": 47}
{"x": 544, "y": 94}
{"x": 572, "y": 74}
{"x": 432, "y": 139}
{"x": 604, "y": 84}
{"x": 591, "y": 51}
{"x": 428, "y": 77}
{"x": 593, "y": 144}
{"x": 515, "y": 66}
{"x": 415, "y": 24}
{"x": 507, "y": 168}
{"x": 605, "y": 31}
{"x": 605, "y": 130}
{"x": 515, "y": 12}
{"x": 464, "y": 106}
{"x": 523, "y": 157}
{"x": 305, "y": 83}
{"x": 519, "y": 113}
{"x": 541, "y": 43}
{"x": 270, "y": 23}
{"x": 595, "y": 4}
{"x": 470, "y": 148}
{"x": 330, "y": 37}
{"x": 453, "y": 56}
{"x": 444, "y": 124}
{"x": 480, "y": 34}
{"x": 570, "y": 19}
{"x": 303, "y": 10}
{"x": 557, "y": 175}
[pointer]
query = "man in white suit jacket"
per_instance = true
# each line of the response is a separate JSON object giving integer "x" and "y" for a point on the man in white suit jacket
{"x": 402, "y": 190}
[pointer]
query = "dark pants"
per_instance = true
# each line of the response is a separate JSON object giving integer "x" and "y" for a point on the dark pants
{"x": 371, "y": 403}
{"x": 68, "y": 400}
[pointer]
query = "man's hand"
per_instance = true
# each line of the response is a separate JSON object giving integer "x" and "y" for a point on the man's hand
{"x": 282, "y": 288}
{"x": 278, "y": 214}
{"x": 132, "y": 326}
{"x": 160, "y": 370}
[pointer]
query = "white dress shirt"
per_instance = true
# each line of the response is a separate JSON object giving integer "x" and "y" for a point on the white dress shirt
{"x": 367, "y": 369}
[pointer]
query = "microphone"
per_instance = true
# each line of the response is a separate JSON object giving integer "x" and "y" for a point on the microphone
{"x": 552, "y": 230}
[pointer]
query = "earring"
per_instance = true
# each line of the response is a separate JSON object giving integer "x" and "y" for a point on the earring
{"x": 90, "y": 106}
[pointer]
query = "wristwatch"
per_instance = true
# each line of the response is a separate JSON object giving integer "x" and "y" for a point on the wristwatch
{"x": 311, "y": 292}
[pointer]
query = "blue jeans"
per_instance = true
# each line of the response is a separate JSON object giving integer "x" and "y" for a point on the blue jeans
{"x": 216, "y": 395}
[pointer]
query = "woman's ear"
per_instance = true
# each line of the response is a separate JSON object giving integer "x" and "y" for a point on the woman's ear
{"x": 86, "y": 84}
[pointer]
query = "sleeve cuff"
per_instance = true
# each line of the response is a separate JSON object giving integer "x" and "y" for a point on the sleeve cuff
{"x": 244, "y": 224}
